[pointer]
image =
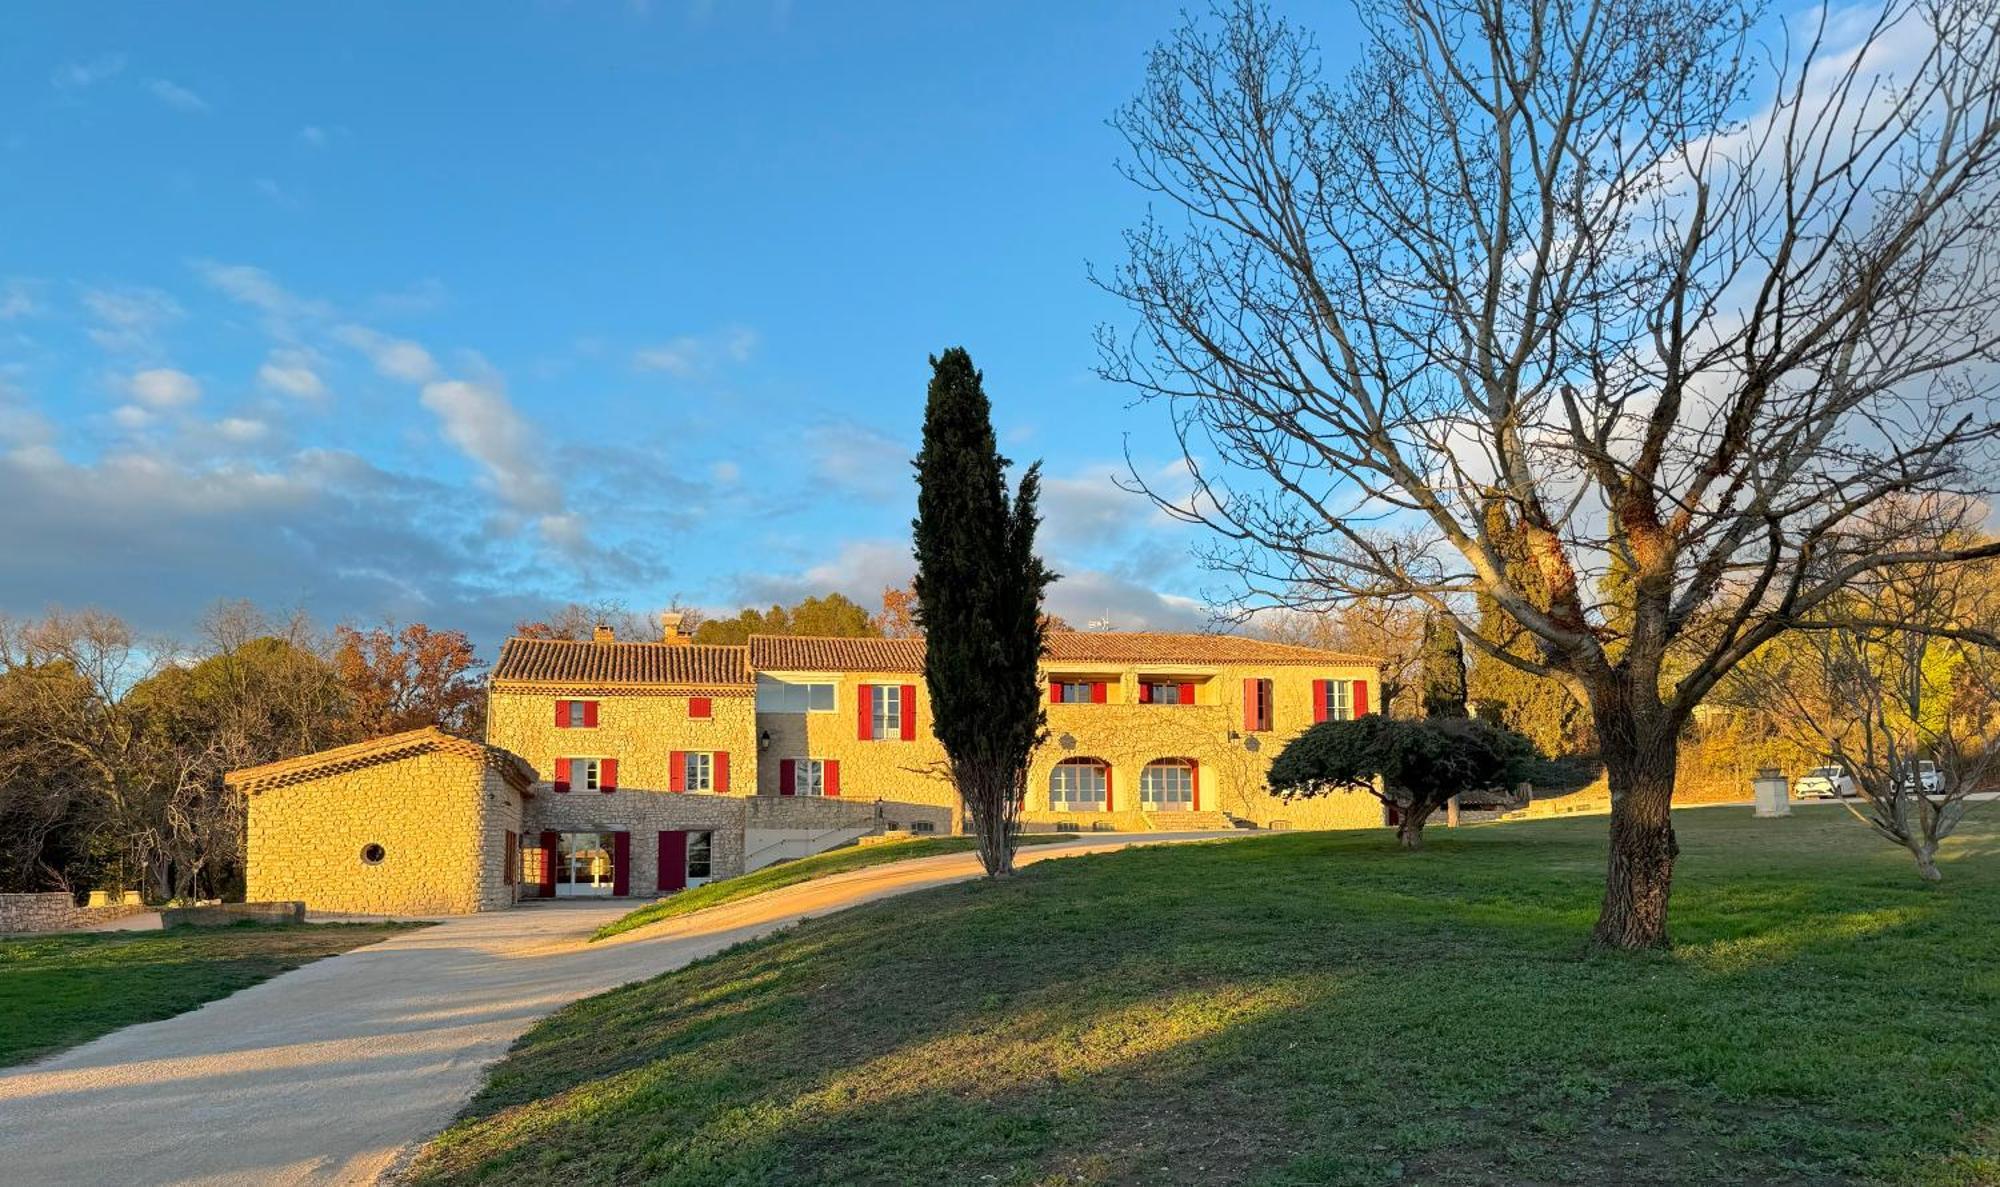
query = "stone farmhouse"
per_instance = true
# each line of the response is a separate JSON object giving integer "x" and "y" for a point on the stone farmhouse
{"x": 615, "y": 767}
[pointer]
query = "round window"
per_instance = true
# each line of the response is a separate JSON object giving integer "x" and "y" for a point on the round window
{"x": 372, "y": 854}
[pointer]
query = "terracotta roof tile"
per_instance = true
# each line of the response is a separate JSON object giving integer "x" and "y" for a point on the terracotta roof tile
{"x": 560, "y": 661}
{"x": 786, "y": 653}
{"x": 375, "y": 751}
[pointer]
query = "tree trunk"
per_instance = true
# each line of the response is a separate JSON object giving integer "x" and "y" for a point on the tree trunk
{"x": 1926, "y": 855}
{"x": 989, "y": 802}
{"x": 1410, "y": 832}
{"x": 1640, "y": 753}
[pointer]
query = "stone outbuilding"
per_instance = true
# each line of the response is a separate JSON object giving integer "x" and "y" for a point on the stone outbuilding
{"x": 416, "y": 823}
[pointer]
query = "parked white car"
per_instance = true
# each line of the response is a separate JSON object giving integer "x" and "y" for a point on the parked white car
{"x": 1824, "y": 783}
{"x": 1924, "y": 778}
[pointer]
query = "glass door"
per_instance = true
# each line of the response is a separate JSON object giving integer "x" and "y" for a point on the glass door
{"x": 584, "y": 865}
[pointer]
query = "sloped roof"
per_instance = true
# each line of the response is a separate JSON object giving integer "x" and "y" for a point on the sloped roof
{"x": 810, "y": 653}
{"x": 375, "y": 751}
{"x": 562, "y": 661}
{"x": 785, "y": 653}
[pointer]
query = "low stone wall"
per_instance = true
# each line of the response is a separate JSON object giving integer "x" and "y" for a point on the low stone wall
{"x": 224, "y": 914}
{"x": 56, "y": 910}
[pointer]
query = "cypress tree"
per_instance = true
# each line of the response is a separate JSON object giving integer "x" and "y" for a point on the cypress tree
{"x": 979, "y": 591}
{"x": 1443, "y": 671}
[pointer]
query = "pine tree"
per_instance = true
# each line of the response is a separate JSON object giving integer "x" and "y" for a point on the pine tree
{"x": 1443, "y": 670}
{"x": 979, "y": 589}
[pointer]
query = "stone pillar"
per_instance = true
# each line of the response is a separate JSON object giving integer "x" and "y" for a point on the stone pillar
{"x": 1773, "y": 793}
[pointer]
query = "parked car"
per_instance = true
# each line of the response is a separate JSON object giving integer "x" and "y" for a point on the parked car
{"x": 1923, "y": 776}
{"x": 1824, "y": 783}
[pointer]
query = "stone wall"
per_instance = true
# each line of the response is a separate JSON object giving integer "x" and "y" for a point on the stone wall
{"x": 432, "y": 815}
{"x": 645, "y": 815}
{"x": 640, "y": 728}
{"x": 56, "y": 910}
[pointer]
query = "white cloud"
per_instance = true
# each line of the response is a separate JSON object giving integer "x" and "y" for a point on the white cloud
{"x": 726, "y": 472}
{"x": 689, "y": 355}
{"x": 277, "y": 194}
{"x": 290, "y": 373}
{"x": 242, "y": 429}
{"x": 16, "y": 300}
{"x": 484, "y": 425}
{"x": 131, "y": 416}
{"x": 177, "y": 97}
{"x": 395, "y": 358}
{"x": 164, "y": 387}
{"x": 312, "y": 136}
{"x": 75, "y": 76}
{"x": 129, "y": 320}
{"x": 861, "y": 460}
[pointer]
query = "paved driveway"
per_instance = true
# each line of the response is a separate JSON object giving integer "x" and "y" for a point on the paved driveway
{"x": 332, "y": 1072}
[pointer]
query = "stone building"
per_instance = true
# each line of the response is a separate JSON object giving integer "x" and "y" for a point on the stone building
{"x": 618, "y": 767}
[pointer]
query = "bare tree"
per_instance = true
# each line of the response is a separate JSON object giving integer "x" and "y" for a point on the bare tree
{"x": 1900, "y": 670}
{"x": 1378, "y": 627}
{"x": 1678, "y": 308}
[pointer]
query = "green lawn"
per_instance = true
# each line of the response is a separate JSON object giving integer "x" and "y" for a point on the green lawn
{"x": 60, "y": 990}
{"x": 1306, "y": 1009}
{"x": 805, "y": 869}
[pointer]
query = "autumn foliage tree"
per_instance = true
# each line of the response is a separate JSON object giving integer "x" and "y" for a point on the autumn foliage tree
{"x": 405, "y": 678}
{"x": 1612, "y": 288}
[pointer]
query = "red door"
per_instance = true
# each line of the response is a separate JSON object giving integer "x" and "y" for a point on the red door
{"x": 621, "y": 864}
{"x": 673, "y": 861}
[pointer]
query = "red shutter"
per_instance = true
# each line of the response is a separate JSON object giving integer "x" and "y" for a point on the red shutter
{"x": 1107, "y": 787}
{"x": 721, "y": 761}
{"x": 621, "y": 863}
{"x": 1361, "y": 698}
{"x": 1319, "y": 701}
{"x": 909, "y": 700}
{"x": 700, "y": 707}
{"x": 590, "y": 715}
{"x": 830, "y": 777}
{"x": 562, "y": 774}
{"x": 1055, "y": 692}
{"x": 1194, "y": 785}
{"x": 677, "y": 770}
{"x": 549, "y": 846}
{"x": 788, "y": 776}
{"x": 673, "y": 870}
{"x": 513, "y": 843}
{"x": 607, "y": 775}
{"x": 562, "y": 715}
{"x": 864, "y": 701}
{"x": 1187, "y": 694}
{"x": 1099, "y": 693}
{"x": 1145, "y": 693}
{"x": 1250, "y": 705}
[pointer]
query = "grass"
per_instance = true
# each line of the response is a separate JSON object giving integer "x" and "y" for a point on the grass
{"x": 1306, "y": 1009}
{"x": 805, "y": 869}
{"x": 60, "y": 990}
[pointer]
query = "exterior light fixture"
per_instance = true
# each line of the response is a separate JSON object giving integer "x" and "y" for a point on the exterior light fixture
{"x": 763, "y": 741}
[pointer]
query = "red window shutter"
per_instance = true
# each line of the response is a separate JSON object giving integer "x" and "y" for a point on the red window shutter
{"x": 1099, "y": 693}
{"x": 677, "y": 770}
{"x": 866, "y": 703}
{"x": 700, "y": 707}
{"x": 1319, "y": 701}
{"x": 1194, "y": 785}
{"x": 1187, "y": 694}
{"x": 721, "y": 761}
{"x": 672, "y": 871}
{"x": 549, "y": 846}
{"x": 1145, "y": 693}
{"x": 607, "y": 775}
{"x": 621, "y": 863}
{"x": 590, "y": 715}
{"x": 512, "y": 843}
{"x": 830, "y": 777}
{"x": 1361, "y": 698}
{"x": 1055, "y": 692}
{"x": 562, "y": 774}
{"x": 788, "y": 776}
{"x": 909, "y": 702}
{"x": 1107, "y": 787}
{"x": 1250, "y": 690}
{"x": 562, "y": 715}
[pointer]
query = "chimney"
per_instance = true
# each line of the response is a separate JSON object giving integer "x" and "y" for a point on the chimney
{"x": 603, "y": 634}
{"x": 670, "y": 628}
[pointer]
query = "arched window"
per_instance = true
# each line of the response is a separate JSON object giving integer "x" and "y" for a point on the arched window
{"x": 1079, "y": 785}
{"x": 1167, "y": 785}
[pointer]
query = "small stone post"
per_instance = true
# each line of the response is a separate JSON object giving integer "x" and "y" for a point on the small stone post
{"x": 1773, "y": 793}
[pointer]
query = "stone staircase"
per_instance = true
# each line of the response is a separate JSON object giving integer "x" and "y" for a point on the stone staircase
{"x": 1189, "y": 822}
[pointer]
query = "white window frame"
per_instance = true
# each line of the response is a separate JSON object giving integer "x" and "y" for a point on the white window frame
{"x": 702, "y": 761}
{"x": 1071, "y": 776}
{"x": 578, "y": 715}
{"x": 796, "y": 696}
{"x": 885, "y": 712}
{"x": 585, "y": 774}
{"x": 1340, "y": 700}
{"x": 694, "y": 879}
{"x": 809, "y": 777}
{"x": 1171, "y": 771}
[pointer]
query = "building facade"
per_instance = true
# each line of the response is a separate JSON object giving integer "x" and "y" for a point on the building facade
{"x": 618, "y": 767}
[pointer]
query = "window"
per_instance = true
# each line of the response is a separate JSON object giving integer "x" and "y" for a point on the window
{"x": 922, "y": 826}
{"x": 886, "y": 711}
{"x": 1167, "y": 786}
{"x": 584, "y": 773}
{"x": 576, "y": 715}
{"x": 809, "y": 777}
{"x": 698, "y": 769}
{"x": 784, "y": 696}
{"x": 1079, "y": 785}
{"x": 1339, "y": 704}
{"x": 372, "y": 854}
{"x": 700, "y": 862}
{"x": 1256, "y": 705}
{"x": 1073, "y": 692}
{"x": 1161, "y": 692}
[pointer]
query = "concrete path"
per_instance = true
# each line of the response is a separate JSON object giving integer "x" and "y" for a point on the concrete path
{"x": 331, "y": 1073}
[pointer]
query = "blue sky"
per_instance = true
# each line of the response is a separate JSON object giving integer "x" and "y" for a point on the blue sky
{"x": 460, "y": 311}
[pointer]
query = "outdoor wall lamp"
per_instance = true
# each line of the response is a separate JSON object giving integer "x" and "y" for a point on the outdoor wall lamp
{"x": 763, "y": 740}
